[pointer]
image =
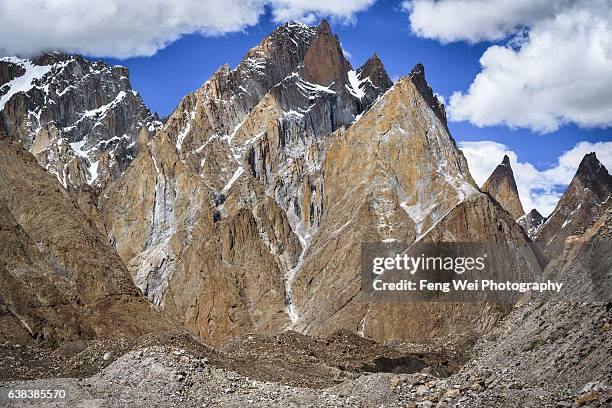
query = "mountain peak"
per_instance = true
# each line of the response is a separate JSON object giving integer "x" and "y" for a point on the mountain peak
{"x": 373, "y": 63}
{"x": 324, "y": 27}
{"x": 590, "y": 157}
{"x": 417, "y": 76}
{"x": 375, "y": 70}
{"x": 501, "y": 185}
{"x": 535, "y": 214}
{"x": 324, "y": 61}
{"x": 593, "y": 175}
{"x": 418, "y": 70}
{"x": 504, "y": 166}
{"x": 50, "y": 58}
{"x": 590, "y": 164}
{"x": 372, "y": 79}
{"x": 580, "y": 204}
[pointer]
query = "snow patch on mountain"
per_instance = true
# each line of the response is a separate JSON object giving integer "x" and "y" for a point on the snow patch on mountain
{"x": 355, "y": 84}
{"x": 24, "y": 82}
{"x": 309, "y": 89}
{"x": 297, "y": 225}
{"x": 183, "y": 133}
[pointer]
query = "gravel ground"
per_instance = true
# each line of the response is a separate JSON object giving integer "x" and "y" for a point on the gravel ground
{"x": 163, "y": 376}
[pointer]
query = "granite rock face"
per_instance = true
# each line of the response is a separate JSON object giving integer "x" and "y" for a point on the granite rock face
{"x": 502, "y": 187}
{"x": 79, "y": 118}
{"x": 396, "y": 175}
{"x": 214, "y": 214}
{"x": 58, "y": 275}
{"x": 324, "y": 62}
{"x": 587, "y": 195}
{"x": 246, "y": 211}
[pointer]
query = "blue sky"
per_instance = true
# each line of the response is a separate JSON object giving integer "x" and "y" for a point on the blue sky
{"x": 531, "y": 79}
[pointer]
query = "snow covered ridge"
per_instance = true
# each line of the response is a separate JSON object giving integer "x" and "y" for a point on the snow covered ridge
{"x": 24, "y": 82}
{"x": 59, "y": 102}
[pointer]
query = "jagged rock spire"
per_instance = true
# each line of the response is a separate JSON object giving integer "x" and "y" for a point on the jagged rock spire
{"x": 501, "y": 185}
{"x": 417, "y": 76}
{"x": 375, "y": 70}
{"x": 593, "y": 175}
{"x": 535, "y": 215}
{"x": 324, "y": 62}
{"x": 372, "y": 80}
{"x": 586, "y": 197}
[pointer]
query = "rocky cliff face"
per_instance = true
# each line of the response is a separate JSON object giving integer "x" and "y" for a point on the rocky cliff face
{"x": 417, "y": 76}
{"x": 502, "y": 187}
{"x": 214, "y": 214}
{"x": 395, "y": 175}
{"x": 247, "y": 210}
{"x": 586, "y": 196}
{"x": 58, "y": 276}
{"x": 79, "y": 118}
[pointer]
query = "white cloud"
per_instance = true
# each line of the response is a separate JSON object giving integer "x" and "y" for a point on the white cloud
{"x": 476, "y": 20}
{"x": 540, "y": 189}
{"x": 115, "y": 27}
{"x": 310, "y": 11}
{"x": 122, "y": 29}
{"x": 555, "y": 67}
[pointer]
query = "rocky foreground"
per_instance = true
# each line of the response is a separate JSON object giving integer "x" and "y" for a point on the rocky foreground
{"x": 174, "y": 370}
